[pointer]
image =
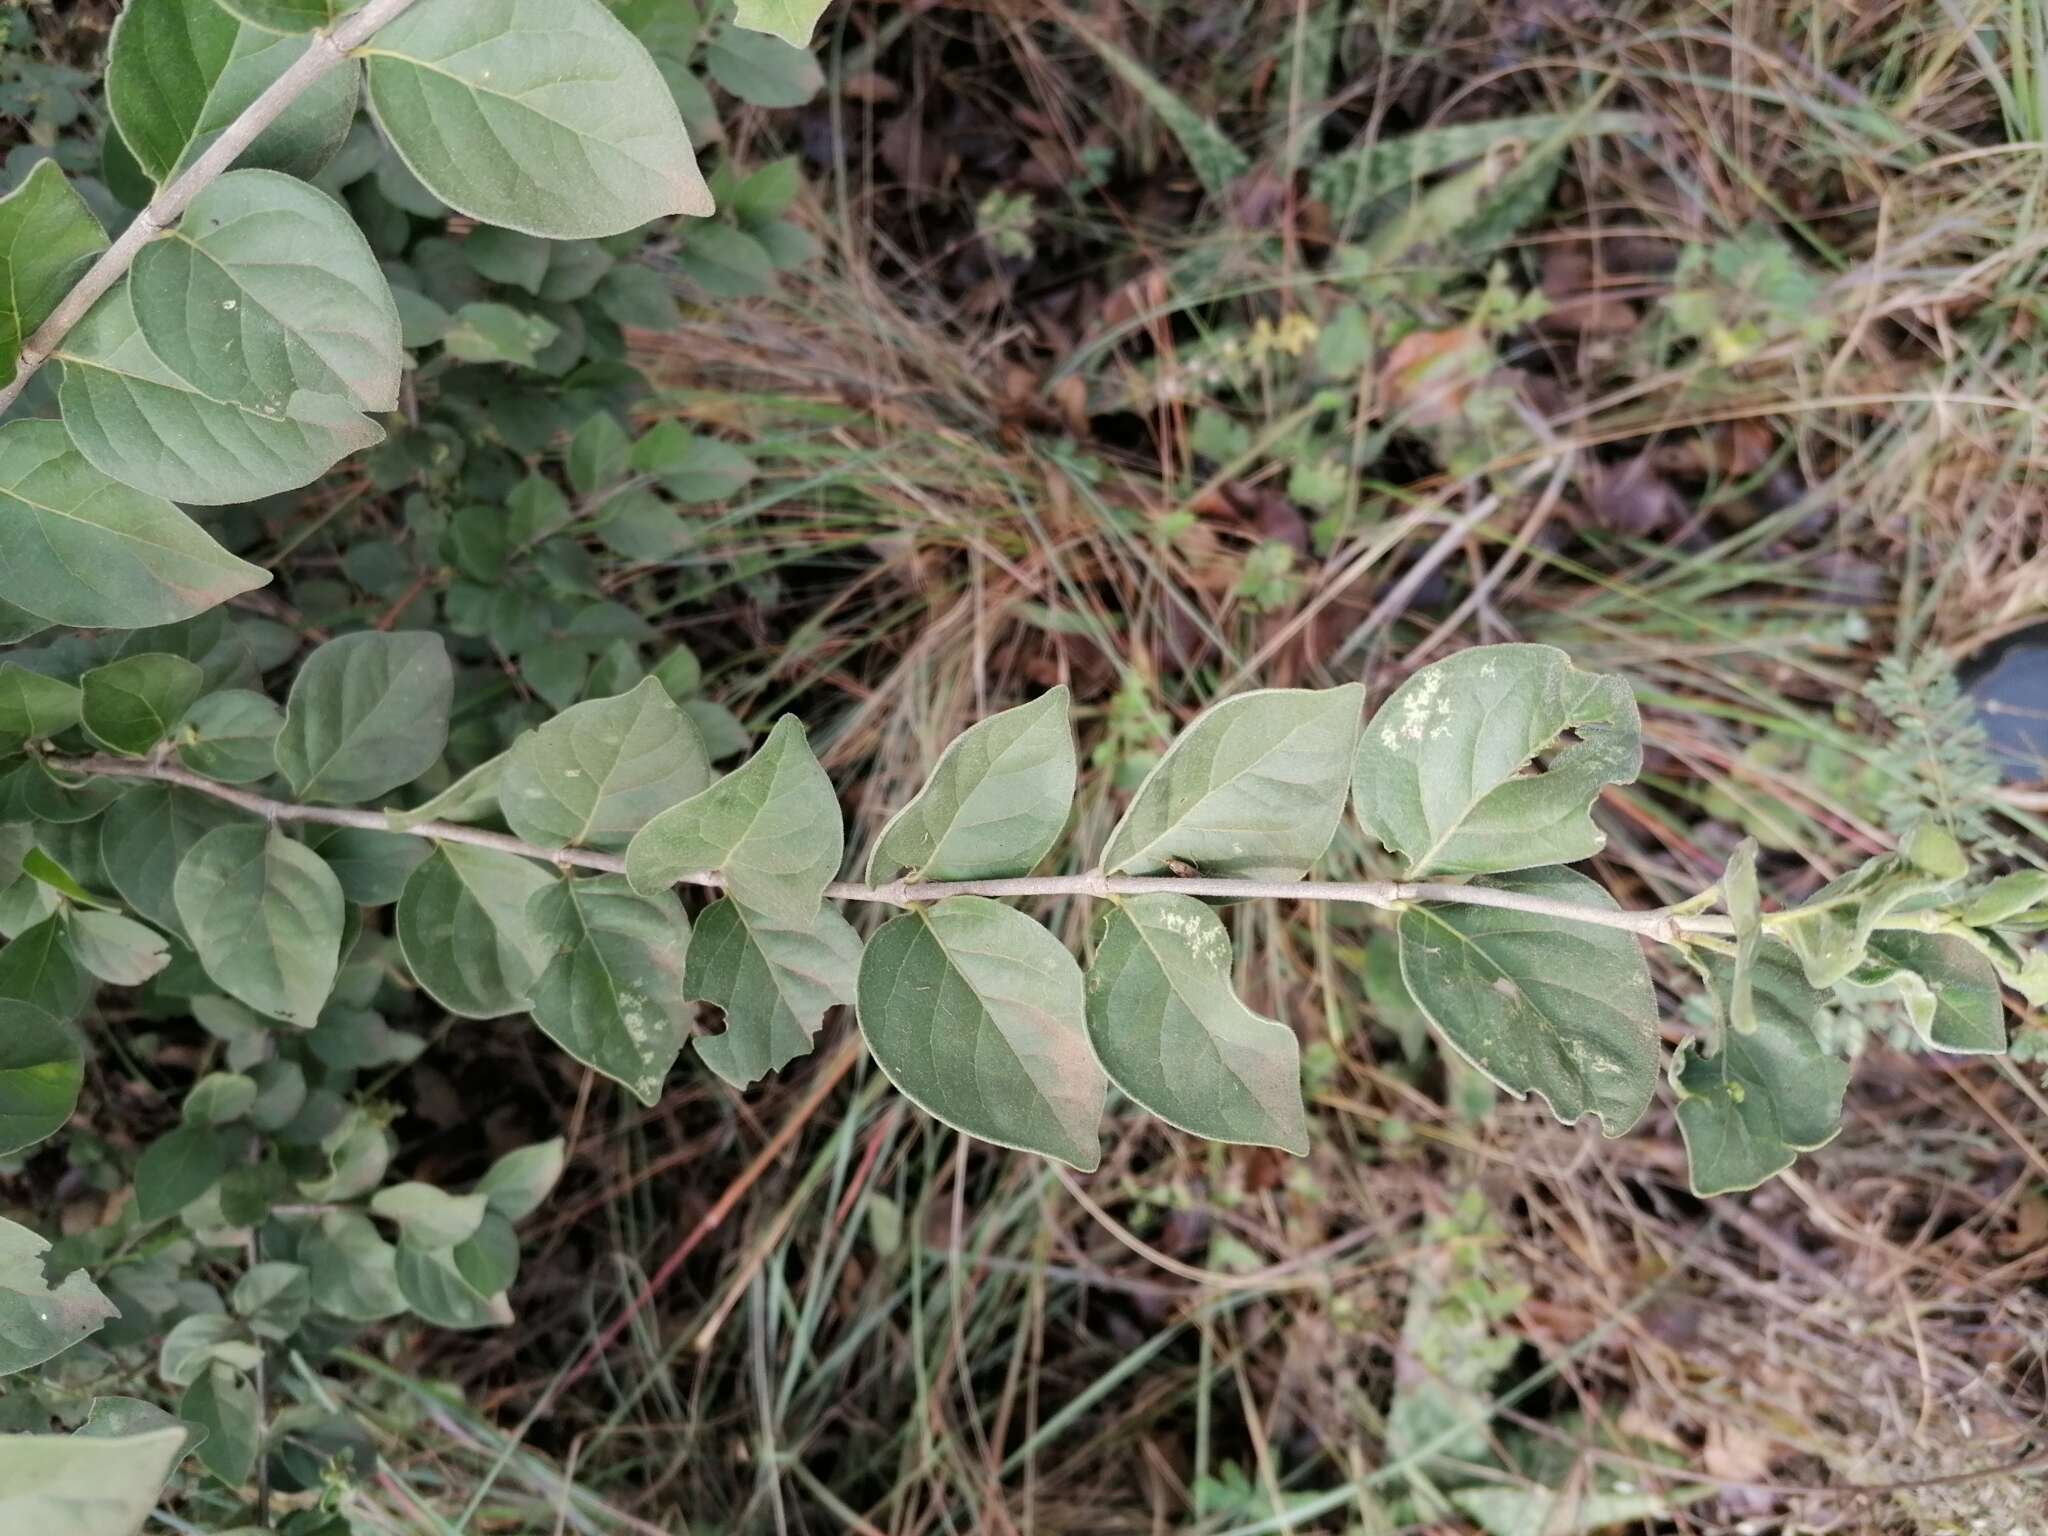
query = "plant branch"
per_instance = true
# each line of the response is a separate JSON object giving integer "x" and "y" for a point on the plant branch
{"x": 1661, "y": 925}
{"x": 325, "y": 52}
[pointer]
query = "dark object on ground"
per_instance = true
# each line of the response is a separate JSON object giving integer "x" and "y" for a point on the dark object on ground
{"x": 2008, "y": 685}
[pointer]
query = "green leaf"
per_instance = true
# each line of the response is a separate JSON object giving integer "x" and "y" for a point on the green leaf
{"x": 123, "y": 1418}
{"x": 1254, "y": 787}
{"x": 599, "y": 454}
{"x": 48, "y": 237}
{"x": 2005, "y": 898}
{"x": 766, "y": 194}
{"x": 291, "y": 15}
{"x": 723, "y": 734}
{"x": 611, "y": 995}
{"x": 600, "y": 771}
{"x": 219, "y": 1098}
{"x": 82, "y": 1485}
{"x": 544, "y": 116}
{"x": 117, "y": 949}
{"x": 975, "y": 1013}
{"x": 473, "y": 797}
{"x": 690, "y": 467}
{"x": 196, "y": 1342}
{"x": 506, "y": 256}
{"x": 726, "y": 263}
{"x": 273, "y": 1297}
{"x": 464, "y": 928}
{"x": 352, "y": 1270}
{"x": 441, "y": 1284}
{"x": 264, "y": 915}
{"x": 1740, "y": 895}
{"x": 39, "y": 1320}
{"x": 994, "y": 805}
{"x": 37, "y": 969}
{"x": 86, "y": 550}
{"x": 1751, "y": 1108}
{"x": 145, "y": 837}
{"x": 1172, "y": 1034}
{"x": 1540, "y": 1003}
{"x": 771, "y": 827}
{"x": 225, "y": 1405}
{"x": 1830, "y": 930}
{"x": 1949, "y": 988}
{"x": 34, "y": 707}
{"x": 176, "y": 1169}
{"x": 638, "y": 296}
{"x": 764, "y": 71}
{"x": 373, "y": 867}
{"x": 791, "y": 20}
{"x": 366, "y": 714}
{"x": 231, "y": 736}
{"x": 266, "y": 288}
{"x": 773, "y": 980}
{"x": 134, "y": 417}
{"x": 497, "y": 333}
{"x": 1443, "y": 771}
{"x": 428, "y": 1217}
{"x": 41, "y": 1070}
{"x": 180, "y": 71}
{"x": 132, "y": 704}
{"x": 519, "y": 1181}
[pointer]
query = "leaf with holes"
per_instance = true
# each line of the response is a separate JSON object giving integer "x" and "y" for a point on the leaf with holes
{"x": 77, "y": 547}
{"x": 975, "y": 1013}
{"x": 1536, "y": 1002}
{"x": 771, "y": 827}
{"x": 1748, "y": 1110}
{"x": 1254, "y": 787}
{"x": 180, "y": 71}
{"x": 544, "y": 116}
{"x": 266, "y": 288}
{"x": 1443, "y": 774}
{"x": 366, "y": 714}
{"x": 264, "y": 915}
{"x": 772, "y": 979}
{"x": 464, "y": 927}
{"x": 1173, "y": 1035}
{"x": 611, "y": 995}
{"x": 39, "y": 1320}
{"x": 601, "y": 770}
{"x": 132, "y": 704}
{"x": 995, "y": 803}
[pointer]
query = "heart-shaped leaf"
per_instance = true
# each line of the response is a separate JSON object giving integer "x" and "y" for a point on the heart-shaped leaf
{"x": 84, "y": 549}
{"x": 612, "y": 993}
{"x": 995, "y": 803}
{"x": 1538, "y": 1002}
{"x": 464, "y": 927}
{"x": 544, "y": 116}
{"x": 1253, "y": 787}
{"x": 601, "y": 770}
{"x": 771, "y": 827}
{"x": 975, "y": 1013}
